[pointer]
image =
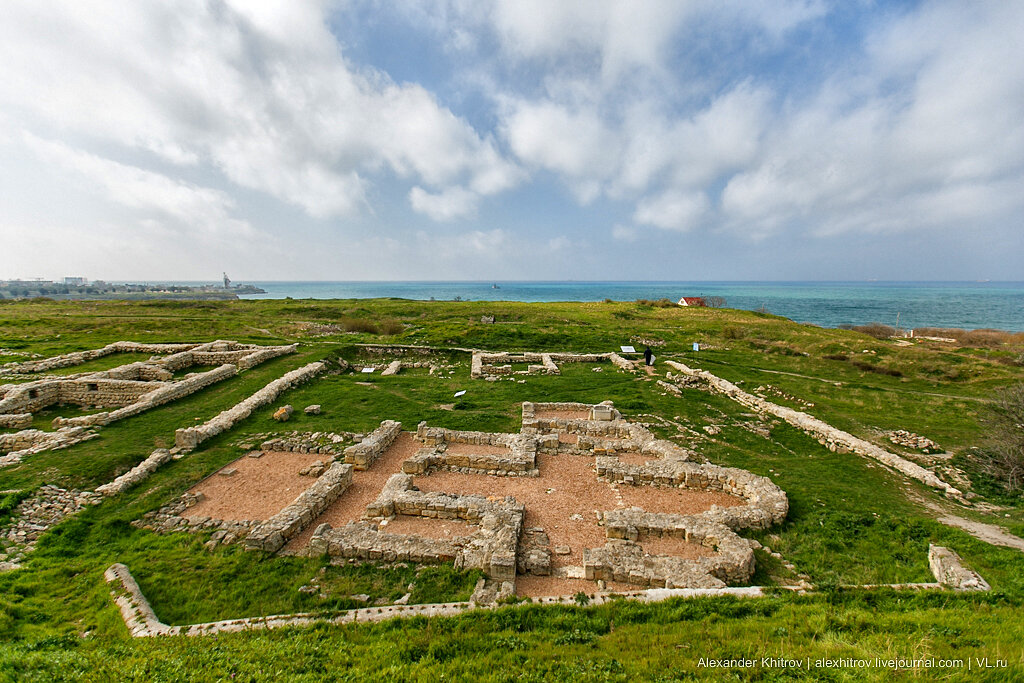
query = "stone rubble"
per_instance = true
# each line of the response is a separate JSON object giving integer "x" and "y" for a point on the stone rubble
{"x": 284, "y": 413}
{"x": 47, "y": 507}
{"x": 902, "y": 437}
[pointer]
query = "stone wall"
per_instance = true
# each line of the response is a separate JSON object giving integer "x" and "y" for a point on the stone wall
{"x": 78, "y": 357}
{"x": 16, "y": 421}
{"x": 514, "y": 454}
{"x": 366, "y": 452}
{"x": 163, "y": 393}
{"x": 486, "y": 365}
{"x": 323, "y": 443}
{"x": 279, "y": 529}
{"x": 190, "y": 437}
{"x": 949, "y": 570}
{"x": 29, "y": 441}
{"x": 136, "y": 474}
{"x": 492, "y": 548}
{"x": 169, "y": 519}
{"x": 830, "y": 437}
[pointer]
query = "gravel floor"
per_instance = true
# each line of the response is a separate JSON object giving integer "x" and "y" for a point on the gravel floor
{"x": 259, "y": 488}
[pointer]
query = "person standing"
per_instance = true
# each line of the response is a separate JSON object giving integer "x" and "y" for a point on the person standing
{"x": 648, "y": 357}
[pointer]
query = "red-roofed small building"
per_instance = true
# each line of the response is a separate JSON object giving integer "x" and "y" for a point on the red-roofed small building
{"x": 693, "y": 301}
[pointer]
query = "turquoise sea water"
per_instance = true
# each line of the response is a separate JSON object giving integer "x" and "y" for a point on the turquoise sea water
{"x": 969, "y": 305}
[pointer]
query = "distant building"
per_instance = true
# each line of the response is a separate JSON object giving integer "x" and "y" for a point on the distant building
{"x": 75, "y": 281}
{"x": 693, "y": 301}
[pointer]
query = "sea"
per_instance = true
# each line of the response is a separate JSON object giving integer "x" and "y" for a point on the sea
{"x": 907, "y": 305}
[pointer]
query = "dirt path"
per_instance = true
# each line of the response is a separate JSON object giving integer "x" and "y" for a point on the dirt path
{"x": 983, "y": 531}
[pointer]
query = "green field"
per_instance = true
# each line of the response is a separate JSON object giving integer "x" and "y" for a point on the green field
{"x": 851, "y": 521}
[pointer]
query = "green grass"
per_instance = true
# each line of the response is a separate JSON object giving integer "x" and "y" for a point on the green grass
{"x": 851, "y": 521}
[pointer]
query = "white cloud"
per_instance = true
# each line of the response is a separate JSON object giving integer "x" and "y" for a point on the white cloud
{"x": 673, "y": 210}
{"x": 455, "y": 202}
{"x": 195, "y": 209}
{"x": 258, "y": 90}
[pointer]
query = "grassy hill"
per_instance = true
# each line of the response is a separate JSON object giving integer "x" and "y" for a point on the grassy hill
{"x": 851, "y": 521}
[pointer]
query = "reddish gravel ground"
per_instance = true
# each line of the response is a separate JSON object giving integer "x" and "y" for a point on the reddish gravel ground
{"x": 673, "y": 500}
{"x": 259, "y": 489}
{"x": 365, "y": 488}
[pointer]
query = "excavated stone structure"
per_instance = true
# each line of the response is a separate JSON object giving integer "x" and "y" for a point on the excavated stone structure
{"x": 129, "y": 389}
{"x": 493, "y": 365}
{"x": 513, "y": 455}
{"x": 491, "y": 548}
{"x": 622, "y": 558}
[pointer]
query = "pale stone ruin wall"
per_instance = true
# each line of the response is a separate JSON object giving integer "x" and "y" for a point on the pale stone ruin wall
{"x": 493, "y": 365}
{"x": 366, "y": 452}
{"x": 30, "y": 441}
{"x": 164, "y": 393}
{"x": 78, "y": 357}
{"x": 279, "y": 529}
{"x": 491, "y": 548}
{"x": 949, "y": 570}
{"x": 136, "y": 474}
{"x": 622, "y": 558}
{"x": 16, "y": 421}
{"x": 189, "y": 438}
{"x": 322, "y": 443}
{"x": 515, "y": 455}
{"x": 132, "y": 388}
{"x": 830, "y": 437}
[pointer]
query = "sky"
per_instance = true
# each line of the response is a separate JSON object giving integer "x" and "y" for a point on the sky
{"x": 519, "y": 140}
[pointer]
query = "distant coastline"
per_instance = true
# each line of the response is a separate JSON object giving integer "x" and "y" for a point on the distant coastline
{"x": 966, "y": 305}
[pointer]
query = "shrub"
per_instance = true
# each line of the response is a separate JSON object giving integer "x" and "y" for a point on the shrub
{"x": 734, "y": 332}
{"x": 876, "y": 330}
{"x": 659, "y": 303}
{"x": 1003, "y": 458}
{"x": 878, "y": 369}
{"x": 391, "y": 327}
{"x": 358, "y": 325}
{"x": 715, "y": 301}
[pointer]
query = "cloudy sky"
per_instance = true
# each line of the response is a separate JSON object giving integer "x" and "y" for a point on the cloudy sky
{"x": 529, "y": 139}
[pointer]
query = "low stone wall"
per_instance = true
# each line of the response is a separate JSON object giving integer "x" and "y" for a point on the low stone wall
{"x": 363, "y": 541}
{"x": 832, "y": 438}
{"x": 279, "y": 529}
{"x": 78, "y": 357}
{"x": 514, "y": 454}
{"x": 492, "y": 548}
{"x": 190, "y": 437}
{"x": 322, "y": 443}
{"x": 366, "y": 452}
{"x": 136, "y": 474}
{"x": 485, "y": 365}
{"x": 30, "y": 441}
{"x": 626, "y": 562}
{"x": 138, "y": 615}
{"x": 949, "y": 570}
{"x": 16, "y": 421}
{"x": 161, "y": 394}
{"x": 530, "y": 408}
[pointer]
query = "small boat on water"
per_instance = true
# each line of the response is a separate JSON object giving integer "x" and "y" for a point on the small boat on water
{"x": 495, "y": 286}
